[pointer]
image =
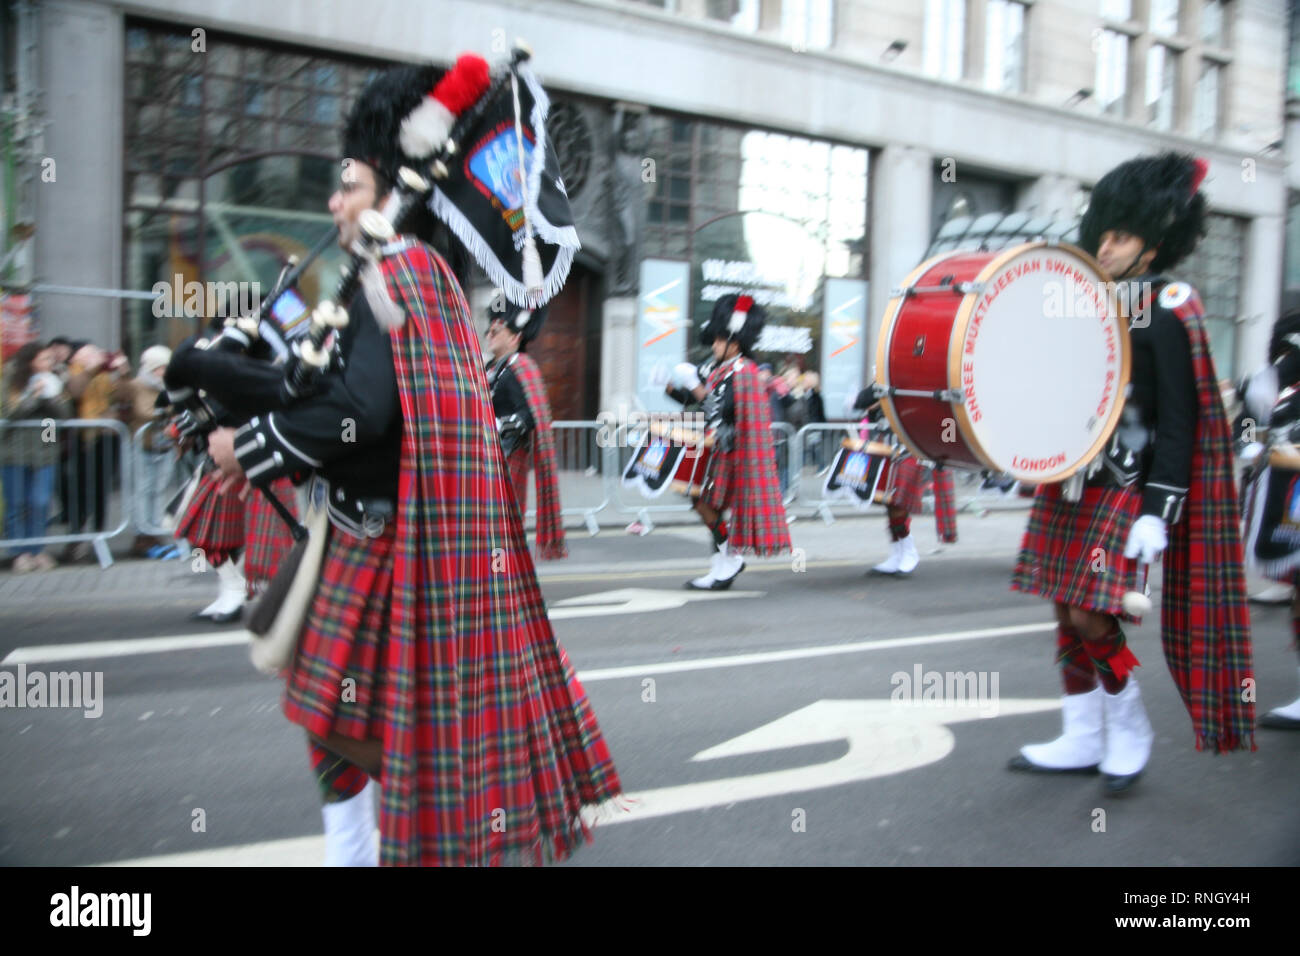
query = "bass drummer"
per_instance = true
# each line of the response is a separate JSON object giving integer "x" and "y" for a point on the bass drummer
{"x": 742, "y": 483}
{"x": 1163, "y": 484}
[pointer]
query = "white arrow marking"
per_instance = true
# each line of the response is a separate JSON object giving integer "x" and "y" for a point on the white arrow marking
{"x": 885, "y": 737}
{"x": 637, "y": 601}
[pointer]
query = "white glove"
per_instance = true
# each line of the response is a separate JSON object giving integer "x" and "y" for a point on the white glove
{"x": 1146, "y": 538}
{"x": 685, "y": 375}
{"x": 1251, "y": 452}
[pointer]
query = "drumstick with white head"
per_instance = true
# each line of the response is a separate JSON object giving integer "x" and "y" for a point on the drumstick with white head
{"x": 1138, "y": 603}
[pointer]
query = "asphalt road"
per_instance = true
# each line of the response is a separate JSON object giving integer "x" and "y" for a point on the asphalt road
{"x": 800, "y": 668}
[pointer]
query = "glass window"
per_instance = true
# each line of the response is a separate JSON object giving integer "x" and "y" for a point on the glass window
{"x": 1215, "y": 269}
{"x": 1212, "y": 32}
{"x": 945, "y": 38}
{"x": 1004, "y": 49}
{"x": 1164, "y": 17}
{"x": 1162, "y": 79}
{"x": 806, "y": 24}
{"x": 1117, "y": 9}
{"x": 1207, "y": 99}
{"x": 1112, "y": 72}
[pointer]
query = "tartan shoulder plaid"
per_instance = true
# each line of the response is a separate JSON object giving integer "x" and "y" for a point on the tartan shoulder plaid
{"x": 541, "y": 458}
{"x": 491, "y": 748}
{"x": 748, "y": 481}
{"x": 1205, "y": 621}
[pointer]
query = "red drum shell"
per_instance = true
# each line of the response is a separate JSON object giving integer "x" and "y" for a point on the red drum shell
{"x": 920, "y": 348}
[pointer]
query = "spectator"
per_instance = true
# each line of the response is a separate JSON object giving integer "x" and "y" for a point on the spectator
{"x": 95, "y": 380}
{"x": 27, "y": 460}
{"x": 154, "y": 451}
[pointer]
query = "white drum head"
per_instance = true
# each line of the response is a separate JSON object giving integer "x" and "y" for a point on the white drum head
{"x": 1041, "y": 357}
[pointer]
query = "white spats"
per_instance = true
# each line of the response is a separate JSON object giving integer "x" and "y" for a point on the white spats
{"x": 1128, "y": 732}
{"x": 350, "y": 830}
{"x": 1081, "y": 744}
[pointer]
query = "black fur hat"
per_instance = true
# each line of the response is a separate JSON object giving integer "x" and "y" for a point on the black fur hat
{"x": 1155, "y": 197}
{"x": 374, "y": 126}
{"x": 736, "y": 317}
{"x": 526, "y": 322}
{"x": 372, "y": 134}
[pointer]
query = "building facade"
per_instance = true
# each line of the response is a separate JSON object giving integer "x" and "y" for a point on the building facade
{"x": 829, "y": 139}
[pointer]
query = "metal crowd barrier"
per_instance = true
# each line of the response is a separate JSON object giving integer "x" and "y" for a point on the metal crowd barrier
{"x": 84, "y": 480}
{"x": 818, "y": 436}
{"x": 578, "y": 451}
{"x": 156, "y": 477}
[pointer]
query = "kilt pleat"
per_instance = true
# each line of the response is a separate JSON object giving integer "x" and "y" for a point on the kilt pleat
{"x": 343, "y": 639}
{"x": 267, "y": 539}
{"x": 213, "y": 522}
{"x": 1073, "y": 552}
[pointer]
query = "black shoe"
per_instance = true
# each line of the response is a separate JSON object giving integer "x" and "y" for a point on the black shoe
{"x": 1278, "y": 722}
{"x": 1023, "y": 764}
{"x": 1116, "y": 784}
{"x": 229, "y": 617}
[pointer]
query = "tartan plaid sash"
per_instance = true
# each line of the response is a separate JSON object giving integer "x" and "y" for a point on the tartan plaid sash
{"x": 753, "y": 491}
{"x": 1205, "y": 621}
{"x": 490, "y": 746}
{"x": 550, "y": 524}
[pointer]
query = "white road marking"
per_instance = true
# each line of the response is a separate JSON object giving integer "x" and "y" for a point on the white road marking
{"x": 885, "y": 737}
{"x": 51, "y": 653}
{"x": 602, "y": 603}
{"x": 799, "y": 653}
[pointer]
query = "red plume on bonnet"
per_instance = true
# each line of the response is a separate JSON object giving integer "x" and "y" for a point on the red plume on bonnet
{"x": 743, "y": 304}
{"x": 429, "y": 124}
{"x": 1198, "y": 176}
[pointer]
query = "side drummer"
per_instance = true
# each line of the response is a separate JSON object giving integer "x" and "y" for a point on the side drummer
{"x": 909, "y": 477}
{"x": 524, "y": 421}
{"x": 1164, "y": 484}
{"x": 742, "y": 481}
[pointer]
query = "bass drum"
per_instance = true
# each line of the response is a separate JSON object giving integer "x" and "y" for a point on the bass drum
{"x": 1013, "y": 361}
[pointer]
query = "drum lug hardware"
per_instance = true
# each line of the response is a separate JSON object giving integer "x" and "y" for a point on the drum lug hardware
{"x": 919, "y": 347}
{"x": 954, "y": 395}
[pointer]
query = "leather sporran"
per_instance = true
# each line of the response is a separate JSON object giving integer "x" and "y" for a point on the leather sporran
{"x": 277, "y": 618}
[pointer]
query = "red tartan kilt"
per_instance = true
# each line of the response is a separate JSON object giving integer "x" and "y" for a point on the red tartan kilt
{"x": 520, "y": 461}
{"x": 908, "y": 477}
{"x": 717, "y": 491}
{"x": 213, "y": 522}
{"x": 1074, "y": 553}
{"x": 344, "y": 636}
{"x": 267, "y": 539}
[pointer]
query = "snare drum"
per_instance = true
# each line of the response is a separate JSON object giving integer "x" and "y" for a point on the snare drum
{"x": 862, "y": 472}
{"x": 670, "y": 456}
{"x": 1014, "y": 361}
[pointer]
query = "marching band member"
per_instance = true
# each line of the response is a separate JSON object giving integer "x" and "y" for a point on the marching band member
{"x": 909, "y": 482}
{"x": 1164, "y": 484}
{"x": 742, "y": 481}
{"x": 1272, "y": 398}
{"x": 426, "y": 662}
{"x": 524, "y": 418}
{"x": 908, "y": 477}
